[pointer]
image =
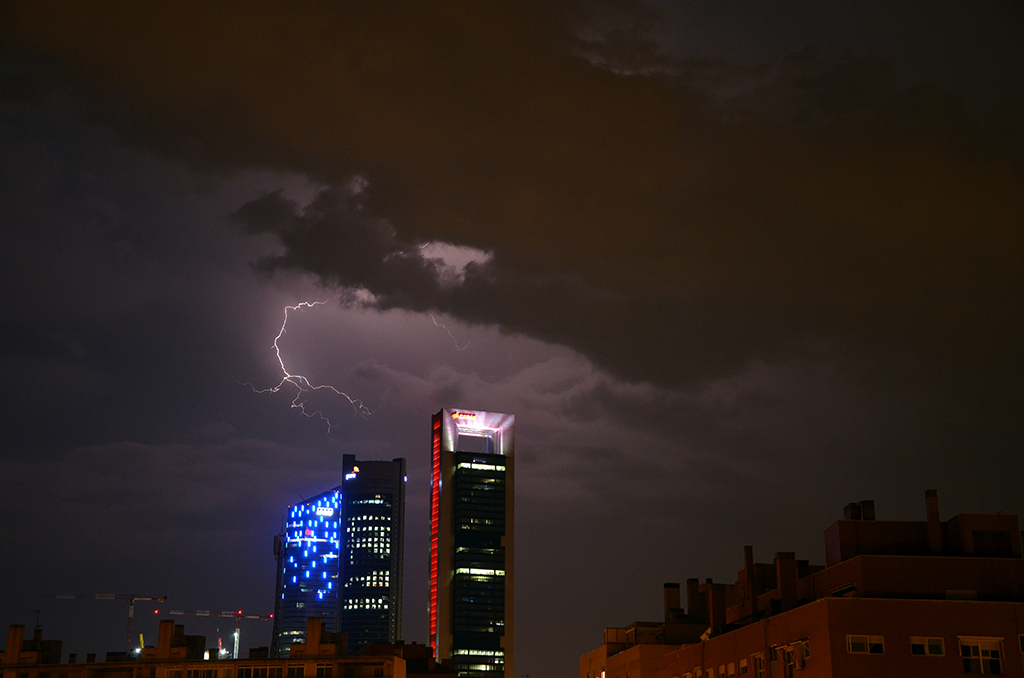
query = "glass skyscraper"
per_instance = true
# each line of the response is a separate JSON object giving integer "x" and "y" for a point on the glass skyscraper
{"x": 308, "y": 554}
{"x": 471, "y": 541}
{"x": 340, "y": 558}
{"x": 373, "y": 518}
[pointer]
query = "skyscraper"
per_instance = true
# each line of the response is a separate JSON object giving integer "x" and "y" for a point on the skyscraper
{"x": 373, "y": 521}
{"x": 308, "y": 554}
{"x": 471, "y": 541}
{"x": 340, "y": 558}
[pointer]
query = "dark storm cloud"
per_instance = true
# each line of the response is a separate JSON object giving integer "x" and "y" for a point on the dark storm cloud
{"x": 670, "y": 225}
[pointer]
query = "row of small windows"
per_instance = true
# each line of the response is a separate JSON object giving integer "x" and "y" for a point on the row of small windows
{"x": 366, "y": 604}
{"x": 480, "y": 571}
{"x": 732, "y": 669}
{"x": 793, "y": 656}
{"x": 375, "y": 579}
{"x": 979, "y": 655}
{"x": 479, "y": 467}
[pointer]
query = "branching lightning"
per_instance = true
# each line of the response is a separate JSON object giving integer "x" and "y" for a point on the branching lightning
{"x": 441, "y": 325}
{"x": 302, "y": 384}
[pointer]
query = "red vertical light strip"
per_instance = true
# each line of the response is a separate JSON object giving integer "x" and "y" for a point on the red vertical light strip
{"x": 435, "y": 526}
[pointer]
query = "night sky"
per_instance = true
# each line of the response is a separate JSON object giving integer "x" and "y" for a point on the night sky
{"x": 731, "y": 265}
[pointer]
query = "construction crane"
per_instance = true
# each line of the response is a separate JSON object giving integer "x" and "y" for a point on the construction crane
{"x": 238, "y": 616}
{"x": 130, "y": 597}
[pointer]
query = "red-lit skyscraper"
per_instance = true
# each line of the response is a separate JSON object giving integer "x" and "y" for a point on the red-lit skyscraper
{"x": 471, "y": 541}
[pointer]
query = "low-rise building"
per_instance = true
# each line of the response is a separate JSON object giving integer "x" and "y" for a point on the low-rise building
{"x": 900, "y": 598}
{"x": 322, "y": 655}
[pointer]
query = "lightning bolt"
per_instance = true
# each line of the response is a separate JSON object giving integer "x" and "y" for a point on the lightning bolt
{"x": 441, "y": 325}
{"x": 302, "y": 384}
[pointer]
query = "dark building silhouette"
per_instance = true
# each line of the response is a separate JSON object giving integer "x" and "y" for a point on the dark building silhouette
{"x": 373, "y": 524}
{"x": 323, "y": 654}
{"x": 471, "y": 545}
{"x": 894, "y": 598}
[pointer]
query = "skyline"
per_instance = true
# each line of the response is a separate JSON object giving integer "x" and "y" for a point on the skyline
{"x": 732, "y": 266}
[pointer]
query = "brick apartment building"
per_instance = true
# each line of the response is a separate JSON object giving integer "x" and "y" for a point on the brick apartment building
{"x": 894, "y": 598}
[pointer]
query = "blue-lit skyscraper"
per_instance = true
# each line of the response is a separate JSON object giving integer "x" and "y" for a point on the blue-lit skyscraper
{"x": 340, "y": 558}
{"x": 308, "y": 555}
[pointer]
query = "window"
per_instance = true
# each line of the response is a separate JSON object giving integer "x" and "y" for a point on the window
{"x": 927, "y": 646}
{"x": 743, "y": 667}
{"x": 324, "y": 670}
{"x": 789, "y": 659}
{"x": 296, "y": 671}
{"x": 758, "y": 666}
{"x": 721, "y": 670}
{"x": 865, "y": 644}
{"x": 981, "y": 655}
{"x": 731, "y": 668}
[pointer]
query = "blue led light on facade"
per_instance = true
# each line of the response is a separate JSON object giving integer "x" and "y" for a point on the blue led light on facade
{"x": 298, "y": 551}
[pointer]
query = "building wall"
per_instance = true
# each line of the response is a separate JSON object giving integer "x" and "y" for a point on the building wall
{"x": 899, "y": 598}
{"x": 897, "y": 621}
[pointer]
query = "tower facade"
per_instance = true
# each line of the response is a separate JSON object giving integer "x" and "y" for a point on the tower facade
{"x": 471, "y": 541}
{"x": 308, "y": 553}
{"x": 373, "y": 524}
{"x": 340, "y": 558}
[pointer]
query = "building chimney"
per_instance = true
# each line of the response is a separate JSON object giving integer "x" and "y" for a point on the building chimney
{"x": 931, "y": 498}
{"x": 748, "y": 568}
{"x": 715, "y": 601}
{"x": 165, "y": 639}
{"x": 15, "y": 639}
{"x": 695, "y": 609}
{"x": 867, "y": 509}
{"x": 671, "y": 602}
{"x": 851, "y": 511}
{"x": 786, "y": 578}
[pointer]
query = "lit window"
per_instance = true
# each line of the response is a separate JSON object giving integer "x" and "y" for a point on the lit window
{"x": 927, "y": 646}
{"x": 865, "y": 644}
{"x": 981, "y": 655}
